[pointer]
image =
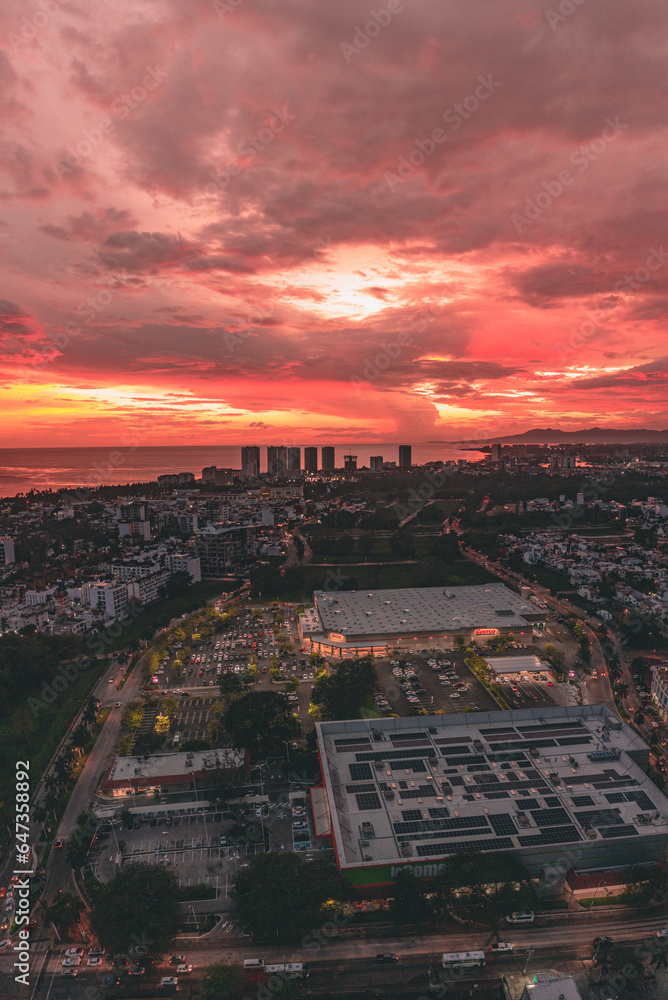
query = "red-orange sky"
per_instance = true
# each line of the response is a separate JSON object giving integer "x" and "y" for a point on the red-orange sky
{"x": 263, "y": 219}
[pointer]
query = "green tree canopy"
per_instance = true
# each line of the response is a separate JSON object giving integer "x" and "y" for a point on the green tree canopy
{"x": 222, "y": 981}
{"x": 279, "y": 897}
{"x": 141, "y": 901}
{"x": 347, "y": 690}
{"x": 261, "y": 721}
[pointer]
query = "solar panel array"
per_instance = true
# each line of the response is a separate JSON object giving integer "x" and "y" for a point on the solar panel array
{"x": 504, "y": 762}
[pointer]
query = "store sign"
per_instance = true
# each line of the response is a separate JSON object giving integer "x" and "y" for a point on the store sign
{"x": 571, "y": 673}
{"x": 485, "y": 631}
{"x": 337, "y": 637}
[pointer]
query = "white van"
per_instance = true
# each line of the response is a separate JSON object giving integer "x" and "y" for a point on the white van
{"x": 520, "y": 918}
{"x": 253, "y": 963}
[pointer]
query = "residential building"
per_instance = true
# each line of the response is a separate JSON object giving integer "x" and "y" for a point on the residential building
{"x": 111, "y": 598}
{"x": 129, "y": 528}
{"x": 294, "y": 459}
{"x": 328, "y": 458}
{"x": 376, "y": 463}
{"x": 497, "y": 450}
{"x": 277, "y": 460}
{"x": 405, "y": 456}
{"x": 147, "y": 589}
{"x": 176, "y": 479}
{"x": 183, "y": 562}
{"x": 221, "y": 548}
{"x": 250, "y": 462}
{"x": 350, "y": 463}
{"x": 311, "y": 459}
{"x": 7, "y": 556}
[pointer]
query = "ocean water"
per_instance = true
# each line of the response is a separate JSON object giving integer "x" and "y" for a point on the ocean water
{"x": 24, "y": 469}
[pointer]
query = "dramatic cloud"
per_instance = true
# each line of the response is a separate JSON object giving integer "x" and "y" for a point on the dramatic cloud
{"x": 309, "y": 219}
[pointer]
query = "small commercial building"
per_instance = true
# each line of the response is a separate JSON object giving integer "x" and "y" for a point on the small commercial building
{"x": 359, "y": 622}
{"x": 516, "y": 664}
{"x": 168, "y": 772}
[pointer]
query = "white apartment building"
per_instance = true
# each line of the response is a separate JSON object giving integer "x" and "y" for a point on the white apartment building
{"x": 112, "y": 598}
{"x": 183, "y": 562}
{"x": 7, "y": 556}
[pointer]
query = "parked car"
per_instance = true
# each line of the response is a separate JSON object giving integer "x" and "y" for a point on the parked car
{"x": 501, "y": 946}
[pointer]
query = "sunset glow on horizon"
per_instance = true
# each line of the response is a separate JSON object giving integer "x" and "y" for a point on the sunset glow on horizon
{"x": 224, "y": 224}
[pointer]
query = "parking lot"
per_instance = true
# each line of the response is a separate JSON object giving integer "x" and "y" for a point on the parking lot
{"x": 254, "y": 639}
{"x": 443, "y": 683}
{"x": 208, "y": 846}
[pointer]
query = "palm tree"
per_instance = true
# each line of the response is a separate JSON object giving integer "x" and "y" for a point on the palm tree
{"x": 622, "y": 690}
{"x": 51, "y": 784}
{"x": 39, "y": 813}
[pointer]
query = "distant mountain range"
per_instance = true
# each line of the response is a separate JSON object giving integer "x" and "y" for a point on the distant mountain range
{"x": 591, "y": 435}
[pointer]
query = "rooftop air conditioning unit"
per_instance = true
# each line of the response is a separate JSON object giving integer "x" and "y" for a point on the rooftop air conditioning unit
{"x": 592, "y": 834}
{"x": 379, "y": 765}
{"x": 406, "y": 850}
{"x": 366, "y": 857}
{"x": 364, "y": 843}
{"x": 388, "y": 793}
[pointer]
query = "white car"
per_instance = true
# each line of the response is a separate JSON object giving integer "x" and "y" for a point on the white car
{"x": 73, "y": 961}
{"x": 663, "y": 933}
{"x": 184, "y": 968}
{"x": 71, "y": 952}
{"x": 501, "y": 946}
{"x": 94, "y": 961}
{"x": 169, "y": 981}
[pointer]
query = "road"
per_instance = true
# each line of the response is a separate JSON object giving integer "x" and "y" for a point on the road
{"x": 346, "y": 959}
{"x": 58, "y": 873}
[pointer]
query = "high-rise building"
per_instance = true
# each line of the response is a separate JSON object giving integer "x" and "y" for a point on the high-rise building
{"x": 311, "y": 459}
{"x": 328, "y": 459}
{"x": 7, "y": 551}
{"x": 350, "y": 463}
{"x": 568, "y": 461}
{"x": 376, "y": 463}
{"x": 496, "y": 451}
{"x": 405, "y": 456}
{"x": 250, "y": 462}
{"x": 294, "y": 459}
{"x": 277, "y": 460}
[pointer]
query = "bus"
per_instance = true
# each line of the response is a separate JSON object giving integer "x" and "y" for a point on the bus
{"x": 463, "y": 960}
{"x": 291, "y": 970}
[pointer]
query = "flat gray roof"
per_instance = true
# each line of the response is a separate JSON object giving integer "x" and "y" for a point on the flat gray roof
{"x": 422, "y": 788}
{"x": 515, "y": 664}
{"x": 422, "y": 610}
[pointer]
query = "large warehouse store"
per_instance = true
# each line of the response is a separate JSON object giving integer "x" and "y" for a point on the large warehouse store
{"x": 357, "y": 622}
{"x": 551, "y": 786}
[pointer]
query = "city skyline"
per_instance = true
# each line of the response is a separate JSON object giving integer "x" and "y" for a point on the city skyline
{"x": 282, "y": 251}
